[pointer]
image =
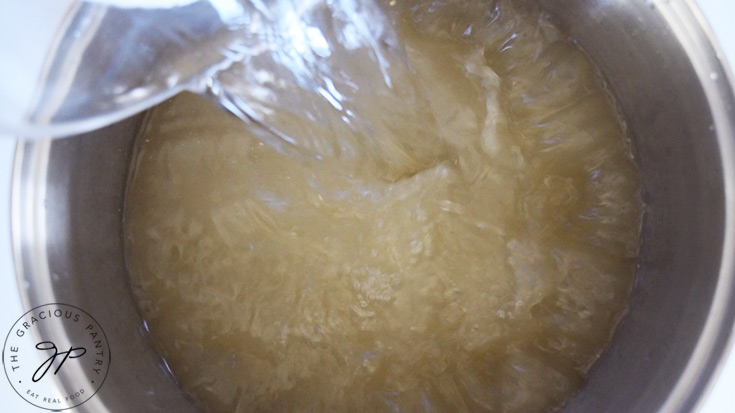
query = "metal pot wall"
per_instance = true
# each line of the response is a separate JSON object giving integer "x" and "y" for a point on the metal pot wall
{"x": 676, "y": 97}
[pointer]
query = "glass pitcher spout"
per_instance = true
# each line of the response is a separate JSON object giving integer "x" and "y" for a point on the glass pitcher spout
{"x": 109, "y": 62}
{"x": 315, "y": 59}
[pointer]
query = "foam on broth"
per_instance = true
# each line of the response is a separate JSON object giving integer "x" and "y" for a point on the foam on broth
{"x": 484, "y": 272}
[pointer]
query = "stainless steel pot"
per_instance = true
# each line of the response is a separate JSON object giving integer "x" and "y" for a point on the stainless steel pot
{"x": 676, "y": 96}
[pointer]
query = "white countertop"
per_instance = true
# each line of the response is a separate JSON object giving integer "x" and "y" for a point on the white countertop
{"x": 721, "y": 399}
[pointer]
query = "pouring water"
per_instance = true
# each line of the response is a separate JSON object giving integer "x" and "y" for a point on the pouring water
{"x": 299, "y": 71}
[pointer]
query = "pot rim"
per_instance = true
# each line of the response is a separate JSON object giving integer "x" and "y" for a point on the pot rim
{"x": 716, "y": 341}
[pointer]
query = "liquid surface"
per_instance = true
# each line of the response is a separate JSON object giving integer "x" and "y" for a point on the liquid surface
{"x": 473, "y": 255}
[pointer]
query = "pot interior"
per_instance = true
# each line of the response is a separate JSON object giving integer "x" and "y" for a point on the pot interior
{"x": 68, "y": 200}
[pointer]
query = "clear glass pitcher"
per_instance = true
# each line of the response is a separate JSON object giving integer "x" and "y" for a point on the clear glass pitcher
{"x": 71, "y": 66}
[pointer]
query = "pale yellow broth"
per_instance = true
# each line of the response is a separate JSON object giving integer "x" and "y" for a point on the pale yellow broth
{"x": 488, "y": 278}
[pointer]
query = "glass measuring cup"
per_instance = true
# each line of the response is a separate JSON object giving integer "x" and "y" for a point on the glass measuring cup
{"x": 97, "y": 62}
